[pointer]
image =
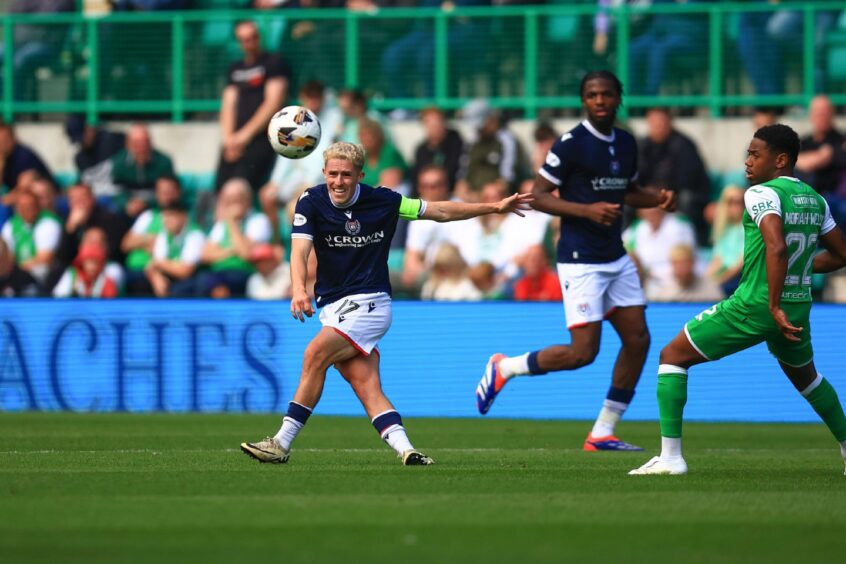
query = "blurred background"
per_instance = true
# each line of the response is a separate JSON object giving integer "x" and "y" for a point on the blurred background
{"x": 132, "y": 146}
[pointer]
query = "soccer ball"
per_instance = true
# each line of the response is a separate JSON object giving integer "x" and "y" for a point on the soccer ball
{"x": 294, "y": 132}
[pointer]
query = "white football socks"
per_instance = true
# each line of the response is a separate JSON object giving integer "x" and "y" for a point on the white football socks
{"x": 397, "y": 439}
{"x": 671, "y": 448}
{"x": 609, "y": 416}
{"x": 288, "y": 432}
{"x": 514, "y": 366}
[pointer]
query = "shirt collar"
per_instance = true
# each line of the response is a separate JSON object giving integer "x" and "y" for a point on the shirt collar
{"x": 352, "y": 201}
{"x": 597, "y": 134}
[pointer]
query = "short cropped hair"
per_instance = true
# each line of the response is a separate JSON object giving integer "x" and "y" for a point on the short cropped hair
{"x": 781, "y": 139}
{"x": 603, "y": 74}
{"x": 345, "y": 151}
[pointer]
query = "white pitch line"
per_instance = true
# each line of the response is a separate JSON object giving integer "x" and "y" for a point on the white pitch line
{"x": 369, "y": 450}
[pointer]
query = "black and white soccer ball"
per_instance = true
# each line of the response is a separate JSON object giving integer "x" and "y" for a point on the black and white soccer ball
{"x": 294, "y": 132}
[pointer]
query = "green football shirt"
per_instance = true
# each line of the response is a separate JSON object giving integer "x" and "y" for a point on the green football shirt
{"x": 805, "y": 215}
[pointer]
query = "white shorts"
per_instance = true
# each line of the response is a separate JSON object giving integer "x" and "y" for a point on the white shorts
{"x": 362, "y": 319}
{"x": 593, "y": 291}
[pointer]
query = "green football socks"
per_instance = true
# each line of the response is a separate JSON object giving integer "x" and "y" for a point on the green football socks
{"x": 823, "y": 398}
{"x": 672, "y": 395}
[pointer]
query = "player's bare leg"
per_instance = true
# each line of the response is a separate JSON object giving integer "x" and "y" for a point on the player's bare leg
{"x": 362, "y": 373}
{"x": 582, "y": 350}
{"x": 822, "y": 397}
{"x": 630, "y": 325}
{"x": 326, "y": 349}
{"x": 675, "y": 359}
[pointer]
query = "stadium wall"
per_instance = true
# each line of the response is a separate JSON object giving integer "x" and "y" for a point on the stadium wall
{"x": 176, "y": 356}
{"x": 195, "y": 146}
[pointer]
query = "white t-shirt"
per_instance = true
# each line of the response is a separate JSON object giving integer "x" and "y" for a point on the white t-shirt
{"x": 277, "y": 286}
{"x": 192, "y": 248}
{"x": 65, "y": 287}
{"x": 451, "y": 291}
{"x": 257, "y": 229}
{"x": 143, "y": 222}
{"x": 652, "y": 248}
{"x": 46, "y": 234}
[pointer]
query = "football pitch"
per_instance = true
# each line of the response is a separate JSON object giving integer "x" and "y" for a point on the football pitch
{"x": 175, "y": 488}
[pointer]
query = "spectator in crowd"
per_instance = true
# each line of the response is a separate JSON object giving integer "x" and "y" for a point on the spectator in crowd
{"x": 411, "y": 57}
{"x": 765, "y": 37}
{"x": 485, "y": 278}
{"x": 353, "y": 105}
{"x": 257, "y": 88}
{"x": 727, "y": 237}
{"x": 449, "y": 280}
{"x": 32, "y": 235}
{"x": 176, "y": 254}
{"x": 383, "y": 165}
{"x": 544, "y": 136}
{"x": 538, "y": 282}
{"x": 14, "y": 281}
{"x": 232, "y": 238}
{"x": 291, "y": 176}
{"x": 17, "y": 159}
{"x": 46, "y": 193}
{"x": 93, "y": 160}
{"x": 442, "y": 146}
{"x": 272, "y": 278}
{"x": 425, "y": 236}
{"x": 84, "y": 214}
{"x": 87, "y": 276}
{"x": 822, "y": 161}
{"x": 139, "y": 240}
{"x": 150, "y": 5}
{"x": 135, "y": 170}
{"x": 666, "y": 36}
{"x": 649, "y": 240}
{"x": 496, "y": 153}
{"x": 35, "y": 45}
{"x": 684, "y": 285}
{"x": 669, "y": 159}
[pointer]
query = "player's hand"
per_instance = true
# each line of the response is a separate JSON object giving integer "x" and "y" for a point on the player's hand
{"x": 785, "y": 326}
{"x": 667, "y": 200}
{"x": 515, "y": 203}
{"x": 604, "y": 213}
{"x": 301, "y": 304}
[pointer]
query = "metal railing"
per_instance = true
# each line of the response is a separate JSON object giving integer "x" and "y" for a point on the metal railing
{"x": 523, "y": 58}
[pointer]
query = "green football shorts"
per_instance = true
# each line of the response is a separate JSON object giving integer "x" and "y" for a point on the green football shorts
{"x": 727, "y": 328}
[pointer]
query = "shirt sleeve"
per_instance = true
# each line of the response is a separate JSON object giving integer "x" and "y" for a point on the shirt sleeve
{"x": 64, "y": 288}
{"x": 8, "y": 237}
{"x": 554, "y": 167}
{"x": 828, "y": 221}
{"x": 47, "y": 234}
{"x": 303, "y": 224}
{"x": 761, "y": 201}
{"x": 278, "y": 67}
{"x": 192, "y": 250}
{"x": 411, "y": 208}
{"x": 217, "y": 232}
{"x": 258, "y": 229}
{"x": 160, "y": 246}
{"x": 142, "y": 223}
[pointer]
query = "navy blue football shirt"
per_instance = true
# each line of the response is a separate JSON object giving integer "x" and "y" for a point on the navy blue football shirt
{"x": 589, "y": 167}
{"x": 352, "y": 242}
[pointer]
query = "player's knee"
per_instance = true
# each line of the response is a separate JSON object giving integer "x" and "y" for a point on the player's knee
{"x": 668, "y": 355}
{"x": 581, "y": 356}
{"x": 639, "y": 340}
{"x": 315, "y": 359}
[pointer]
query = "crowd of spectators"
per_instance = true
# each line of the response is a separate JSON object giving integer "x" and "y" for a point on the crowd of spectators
{"x": 126, "y": 228}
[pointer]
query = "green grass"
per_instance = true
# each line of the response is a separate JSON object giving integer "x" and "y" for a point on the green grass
{"x": 118, "y": 488}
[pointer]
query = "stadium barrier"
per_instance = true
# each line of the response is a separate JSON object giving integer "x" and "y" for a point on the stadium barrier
{"x": 521, "y": 57}
{"x": 236, "y": 356}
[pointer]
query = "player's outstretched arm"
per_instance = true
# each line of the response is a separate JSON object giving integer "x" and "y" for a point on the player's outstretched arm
{"x": 647, "y": 197}
{"x": 455, "y": 211}
{"x": 772, "y": 231}
{"x": 300, "y": 302}
{"x": 834, "y": 256}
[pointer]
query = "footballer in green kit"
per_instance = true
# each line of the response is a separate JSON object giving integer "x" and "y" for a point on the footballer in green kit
{"x": 784, "y": 221}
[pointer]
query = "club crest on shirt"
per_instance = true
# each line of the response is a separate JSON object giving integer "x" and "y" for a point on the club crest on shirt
{"x": 353, "y": 226}
{"x": 584, "y": 309}
{"x": 615, "y": 167}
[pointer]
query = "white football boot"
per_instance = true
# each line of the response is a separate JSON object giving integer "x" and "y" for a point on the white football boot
{"x": 660, "y": 466}
{"x": 267, "y": 450}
